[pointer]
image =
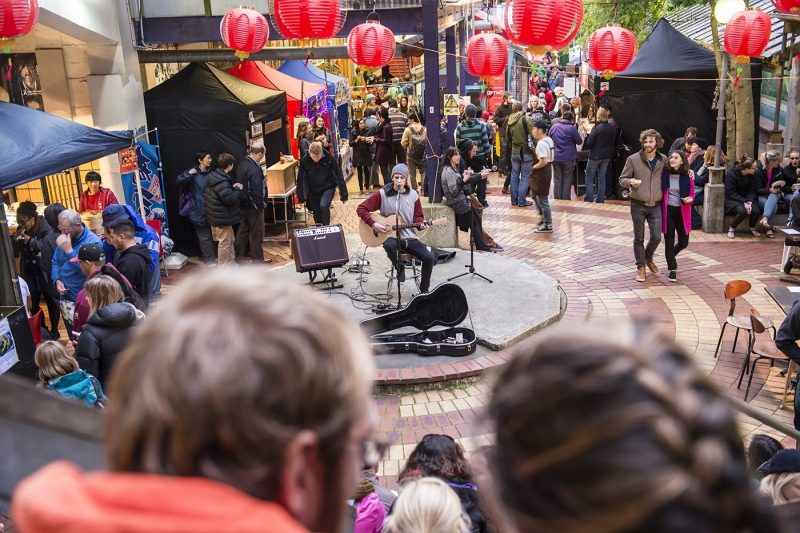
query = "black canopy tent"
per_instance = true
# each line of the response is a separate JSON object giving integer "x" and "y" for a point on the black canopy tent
{"x": 203, "y": 107}
{"x": 35, "y": 144}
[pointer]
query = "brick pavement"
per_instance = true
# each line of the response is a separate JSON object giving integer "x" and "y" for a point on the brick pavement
{"x": 590, "y": 254}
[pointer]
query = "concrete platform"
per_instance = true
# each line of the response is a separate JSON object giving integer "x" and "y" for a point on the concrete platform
{"x": 520, "y": 301}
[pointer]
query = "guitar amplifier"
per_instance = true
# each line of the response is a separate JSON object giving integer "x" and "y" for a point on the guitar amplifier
{"x": 319, "y": 247}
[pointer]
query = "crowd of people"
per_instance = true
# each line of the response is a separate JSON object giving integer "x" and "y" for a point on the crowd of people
{"x": 612, "y": 428}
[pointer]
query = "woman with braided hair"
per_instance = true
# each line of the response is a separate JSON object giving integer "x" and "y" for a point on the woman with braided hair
{"x": 622, "y": 435}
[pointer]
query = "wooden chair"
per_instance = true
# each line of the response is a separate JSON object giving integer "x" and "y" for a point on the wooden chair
{"x": 763, "y": 346}
{"x": 733, "y": 290}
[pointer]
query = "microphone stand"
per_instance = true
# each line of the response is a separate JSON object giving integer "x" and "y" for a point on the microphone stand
{"x": 471, "y": 266}
{"x": 398, "y": 266}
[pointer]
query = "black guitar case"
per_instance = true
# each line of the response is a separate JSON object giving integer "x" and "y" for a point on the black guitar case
{"x": 444, "y": 308}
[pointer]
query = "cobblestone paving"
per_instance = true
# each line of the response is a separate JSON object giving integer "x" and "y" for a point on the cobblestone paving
{"x": 590, "y": 254}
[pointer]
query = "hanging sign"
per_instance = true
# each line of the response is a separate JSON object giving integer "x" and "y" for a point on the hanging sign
{"x": 451, "y": 105}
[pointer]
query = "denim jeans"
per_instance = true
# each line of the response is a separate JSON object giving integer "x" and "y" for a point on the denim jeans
{"x": 641, "y": 214}
{"x": 520, "y": 170}
{"x": 543, "y": 204}
{"x": 769, "y": 203}
{"x": 596, "y": 168}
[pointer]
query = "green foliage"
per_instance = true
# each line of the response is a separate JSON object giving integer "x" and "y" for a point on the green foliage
{"x": 639, "y": 16}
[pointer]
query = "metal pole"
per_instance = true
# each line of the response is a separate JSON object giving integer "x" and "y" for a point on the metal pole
{"x": 723, "y": 85}
{"x": 776, "y": 124}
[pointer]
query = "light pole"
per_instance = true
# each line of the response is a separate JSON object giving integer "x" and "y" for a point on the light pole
{"x": 714, "y": 193}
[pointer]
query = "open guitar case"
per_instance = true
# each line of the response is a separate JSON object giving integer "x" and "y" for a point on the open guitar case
{"x": 443, "y": 308}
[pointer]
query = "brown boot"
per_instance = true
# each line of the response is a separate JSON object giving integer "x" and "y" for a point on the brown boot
{"x": 505, "y": 190}
{"x": 640, "y": 274}
{"x": 652, "y": 266}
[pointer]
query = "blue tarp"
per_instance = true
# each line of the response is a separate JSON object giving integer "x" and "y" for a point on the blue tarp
{"x": 35, "y": 144}
{"x": 298, "y": 69}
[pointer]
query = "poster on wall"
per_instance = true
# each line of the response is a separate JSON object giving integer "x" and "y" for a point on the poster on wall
{"x": 8, "y": 350}
{"x": 19, "y": 80}
{"x": 146, "y": 160}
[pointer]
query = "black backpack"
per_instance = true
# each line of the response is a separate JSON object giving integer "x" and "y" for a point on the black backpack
{"x": 417, "y": 147}
{"x": 131, "y": 296}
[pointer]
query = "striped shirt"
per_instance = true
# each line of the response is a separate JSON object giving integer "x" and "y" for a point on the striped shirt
{"x": 474, "y": 130}
{"x": 399, "y": 122}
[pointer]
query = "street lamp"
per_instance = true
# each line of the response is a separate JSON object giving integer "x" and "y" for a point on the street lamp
{"x": 726, "y": 8}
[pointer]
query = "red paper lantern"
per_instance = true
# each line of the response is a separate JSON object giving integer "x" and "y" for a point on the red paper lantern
{"x": 245, "y": 30}
{"x": 611, "y": 49}
{"x": 17, "y": 17}
{"x": 790, "y": 7}
{"x": 487, "y": 55}
{"x": 747, "y": 34}
{"x": 371, "y": 44}
{"x": 308, "y": 19}
{"x": 543, "y": 24}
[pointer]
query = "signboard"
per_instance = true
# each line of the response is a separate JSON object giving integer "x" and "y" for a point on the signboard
{"x": 152, "y": 191}
{"x": 451, "y": 105}
{"x": 8, "y": 350}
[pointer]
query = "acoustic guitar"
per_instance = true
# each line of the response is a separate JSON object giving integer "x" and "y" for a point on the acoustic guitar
{"x": 372, "y": 238}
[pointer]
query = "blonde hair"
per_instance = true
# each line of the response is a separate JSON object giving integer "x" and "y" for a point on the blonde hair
{"x": 427, "y": 505}
{"x": 708, "y": 159}
{"x": 53, "y": 361}
{"x": 773, "y": 484}
{"x": 602, "y": 115}
{"x": 102, "y": 290}
{"x": 315, "y": 147}
{"x": 278, "y": 360}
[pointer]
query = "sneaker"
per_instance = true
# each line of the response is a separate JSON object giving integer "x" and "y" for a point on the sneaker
{"x": 485, "y": 203}
{"x": 652, "y": 266}
{"x": 673, "y": 275}
{"x": 640, "y": 274}
{"x": 526, "y": 204}
{"x": 497, "y": 248}
{"x": 544, "y": 229}
{"x": 787, "y": 268}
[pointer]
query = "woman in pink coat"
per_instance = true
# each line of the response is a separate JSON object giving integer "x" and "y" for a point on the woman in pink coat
{"x": 676, "y": 208}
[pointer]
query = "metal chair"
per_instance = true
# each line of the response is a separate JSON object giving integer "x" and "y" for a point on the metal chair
{"x": 733, "y": 290}
{"x": 405, "y": 259}
{"x": 763, "y": 346}
{"x": 792, "y": 366}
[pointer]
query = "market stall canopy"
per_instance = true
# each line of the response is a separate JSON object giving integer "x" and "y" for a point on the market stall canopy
{"x": 260, "y": 73}
{"x": 205, "y": 108}
{"x": 301, "y": 70}
{"x": 35, "y": 144}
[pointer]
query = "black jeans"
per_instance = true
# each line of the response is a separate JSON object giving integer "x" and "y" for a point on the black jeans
{"x": 320, "y": 205}
{"x": 477, "y": 164}
{"x": 386, "y": 172}
{"x": 363, "y": 177}
{"x": 641, "y": 214}
{"x": 205, "y": 241}
{"x": 674, "y": 226}
{"x": 792, "y": 351}
{"x": 53, "y": 309}
{"x": 740, "y": 213}
{"x": 399, "y": 152}
{"x": 472, "y": 221}
{"x": 251, "y": 233}
{"x": 417, "y": 249}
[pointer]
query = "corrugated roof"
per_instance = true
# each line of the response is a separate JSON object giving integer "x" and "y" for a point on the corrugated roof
{"x": 695, "y": 23}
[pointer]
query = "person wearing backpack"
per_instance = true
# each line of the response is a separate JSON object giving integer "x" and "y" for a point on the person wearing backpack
{"x": 519, "y": 134}
{"x": 414, "y": 141}
{"x": 192, "y": 185}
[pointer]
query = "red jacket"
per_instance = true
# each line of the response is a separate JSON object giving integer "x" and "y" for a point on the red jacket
{"x": 96, "y": 202}
{"x": 59, "y": 497}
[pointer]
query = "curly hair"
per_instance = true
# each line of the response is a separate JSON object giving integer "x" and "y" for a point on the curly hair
{"x": 613, "y": 429}
{"x": 438, "y": 456}
{"x": 652, "y": 133}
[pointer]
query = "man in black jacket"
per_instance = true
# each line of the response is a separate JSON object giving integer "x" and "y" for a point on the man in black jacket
{"x": 500, "y": 118}
{"x": 317, "y": 180}
{"x": 133, "y": 259}
{"x": 254, "y": 188}
{"x": 223, "y": 199}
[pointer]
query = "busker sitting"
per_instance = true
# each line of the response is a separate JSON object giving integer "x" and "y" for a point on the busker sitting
{"x": 397, "y": 197}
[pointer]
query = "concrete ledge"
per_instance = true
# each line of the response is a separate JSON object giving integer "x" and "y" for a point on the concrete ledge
{"x": 440, "y": 236}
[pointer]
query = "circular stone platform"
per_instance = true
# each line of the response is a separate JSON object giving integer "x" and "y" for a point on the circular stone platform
{"x": 520, "y": 301}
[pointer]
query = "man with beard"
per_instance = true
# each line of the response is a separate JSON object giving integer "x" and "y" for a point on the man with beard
{"x": 642, "y": 176}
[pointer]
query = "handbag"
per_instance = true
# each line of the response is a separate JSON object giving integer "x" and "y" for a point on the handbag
{"x": 185, "y": 202}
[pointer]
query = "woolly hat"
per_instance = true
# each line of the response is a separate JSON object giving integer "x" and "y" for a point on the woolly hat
{"x": 783, "y": 461}
{"x": 400, "y": 168}
{"x": 702, "y": 143}
{"x": 471, "y": 111}
{"x": 485, "y": 115}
